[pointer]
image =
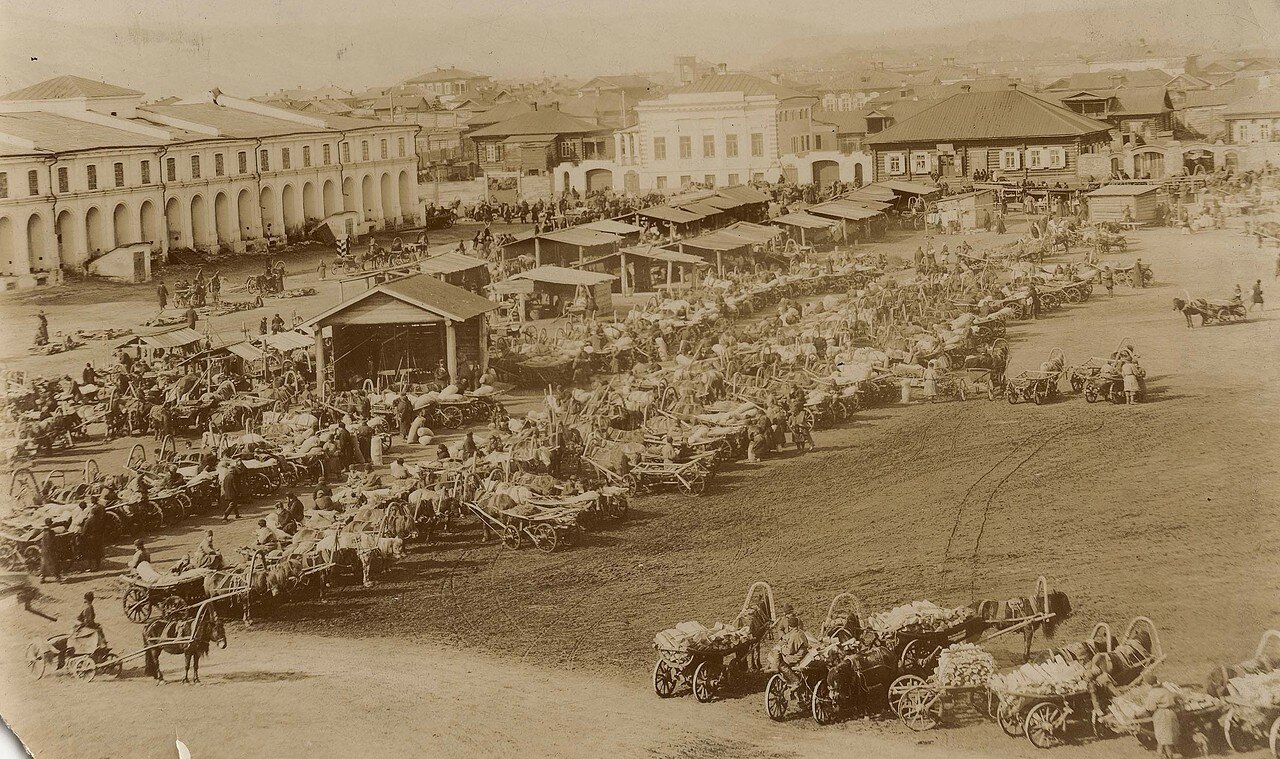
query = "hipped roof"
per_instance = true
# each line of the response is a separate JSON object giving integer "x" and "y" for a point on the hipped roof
{"x": 1006, "y": 114}
{"x": 802, "y": 219}
{"x": 173, "y": 338}
{"x": 559, "y": 275}
{"x": 422, "y": 291}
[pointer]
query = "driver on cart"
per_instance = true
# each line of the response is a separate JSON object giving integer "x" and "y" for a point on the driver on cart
{"x": 86, "y": 629}
{"x": 792, "y": 649}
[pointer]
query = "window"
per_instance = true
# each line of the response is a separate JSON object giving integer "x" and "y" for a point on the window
{"x": 326, "y": 154}
{"x": 709, "y": 180}
{"x": 757, "y": 176}
{"x": 64, "y": 180}
{"x": 4, "y": 185}
{"x": 708, "y": 146}
{"x": 686, "y": 180}
{"x": 1035, "y": 158}
{"x": 662, "y": 181}
{"x": 219, "y": 164}
{"x": 731, "y": 145}
{"x": 920, "y": 163}
{"x": 171, "y": 169}
{"x": 660, "y": 151}
{"x": 346, "y": 152}
{"x": 567, "y": 149}
{"x": 895, "y": 163}
{"x": 382, "y": 149}
{"x": 119, "y": 173}
{"x": 195, "y": 167}
{"x": 33, "y": 182}
{"x": 364, "y": 150}
{"x": 400, "y": 146}
{"x": 145, "y": 168}
{"x": 91, "y": 174}
{"x": 757, "y": 145}
{"x": 286, "y": 160}
{"x": 242, "y": 161}
{"x": 264, "y": 160}
{"x": 306, "y": 156}
{"x": 1264, "y": 132}
{"x": 733, "y": 180}
{"x": 686, "y": 147}
{"x": 1010, "y": 160}
{"x": 1057, "y": 158}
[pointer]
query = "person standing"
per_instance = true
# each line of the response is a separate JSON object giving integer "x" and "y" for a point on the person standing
{"x": 215, "y": 288}
{"x": 1109, "y": 279}
{"x": 50, "y": 561}
{"x": 403, "y": 408}
{"x": 91, "y": 537}
{"x": 1256, "y": 299}
{"x": 162, "y": 295}
{"x": 1139, "y": 279}
{"x": 190, "y": 316}
{"x": 1162, "y": 705}
{"x": 227, "y": 481}
{"x": 1129, "y": 370}
{"x": 42, "y": 329}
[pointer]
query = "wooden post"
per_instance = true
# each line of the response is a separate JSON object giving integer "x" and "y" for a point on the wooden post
{"x": 622, "y": 256}
{"x": 451, "y": 350}
{"x": 537, "y": 251}
{"x": 321, "y": 360}
{"x": 719, "y": 263}
{"x": 802, "y": 242}
{"x": 484, "y": 342}
{"x": 670, "y": 265}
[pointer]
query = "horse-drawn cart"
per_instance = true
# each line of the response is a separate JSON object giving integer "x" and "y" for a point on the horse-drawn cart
{"x": 148, "y": 591}
{"x": 1038, "y": 386}
{"x": 1252, "y": 693}
{"x": 710, "y": 660}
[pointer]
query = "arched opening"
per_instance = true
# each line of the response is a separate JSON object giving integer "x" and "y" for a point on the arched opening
{"x": 368, "y": 198}
{"x": 270, "y": 211}
{"x": 408, "y": 205}
{"x": 1148, "y": 165}
{"x": 332, "y": 200}
{"x": 95, "y": 232}
{"x": 65, "y": 229}
{"x": 200, "y": 231}
{"x": 311, "y": 207}
{"x": 223, "y": 221}
{"x": 349, "y": 200}
{"x": 173, "y": 222}
{"x": 1198, "y": 161}
{"x": 121, "y": 225}
{"x": 247, "y": 215}
{"x": 149, "y": 223}
{"x": 37, "y": 245}
{"x": 826, "y": 173}
{"x": 1115, "y": 165}
{"x": 292, "y": 207}
{"x": 857, "y": 174}
{"x": 6, "y": 245}
{"x": 386, "y": 198}
{"x": 564, "y": 182}
{"x": 631, "y": 182}
{"x": 599, "y": 179}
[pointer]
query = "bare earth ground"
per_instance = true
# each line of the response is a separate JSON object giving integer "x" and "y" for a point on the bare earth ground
{"x": 1166, "y": 509}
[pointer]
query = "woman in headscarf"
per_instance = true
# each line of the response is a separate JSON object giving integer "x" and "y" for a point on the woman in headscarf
{"x": 1162, "y": 705}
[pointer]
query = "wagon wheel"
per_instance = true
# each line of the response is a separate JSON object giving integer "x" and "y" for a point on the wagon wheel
{"x": 36, "y": 663}
{"x": 545, "y": 537}
{"x": 694, "y": 485}
{"x": 631, "y": 483}
{"x": 84, "y": 668}
{"x": 511, "y": 537}
{"x": 665, "y": 679}
{"x": 10, "y": 557}
{"x": 151, "y": 518}
{"x": 173, "y": 606}
{"x": 1091, "y": 393}
{"x": 707, "y": 679}
{"x": 1008, "y": 719}
{"x": 824, "y": 707}
{"x": 775, "y": 698}
{"x": 1043, "y": 724}
{"x": 899, "y": 687}
{"x": 1011, "y": 393}
{"x": 1274, "y": 739}
{"x": 137, "y": 606}
{"x": 450, "y": 417}
{"x": 31, "y": 558}
{"x": 920, "y": 709}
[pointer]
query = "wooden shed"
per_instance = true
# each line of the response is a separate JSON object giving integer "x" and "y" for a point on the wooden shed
{"x": 969, "y": 210}
{"x": 1109, "y": 203}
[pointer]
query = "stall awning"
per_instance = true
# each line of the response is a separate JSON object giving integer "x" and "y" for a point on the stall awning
{"x": 285, "y": 341}
{"x": 661, "y": 254}
{"x": 559, "y": 275}
{"x": 667, "y": 213}
{"x": 246, "y": 351}
{"x": 872, "y": 193}
{"x": 412, "y": 299}
{"x": 724, "y": 204}
{"x": 804, "y": 220}
{"x": 756, "y": 233}
{"x": 173, "y": 338}
{"x": 702, "y": 208}
{"x": 718, "y": 240}
{"x": 1123, "y": 190}
{"x": 450, "y": 262}
{"x": 580, "y": 236}
{"x": 843, "y": 210}
{"x": 612, "y": 226}
{"x": 909, "y": 188}
{"x": 512, "y": 287}
{"x": 744, "y": 194}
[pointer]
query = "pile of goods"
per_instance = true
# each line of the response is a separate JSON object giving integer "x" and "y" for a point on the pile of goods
{"x": 964, "y": 665}
{"x": 1258, "y": 689}
{"x": 920, "y": 617}
{"x": 1129, "y": 706}
{"x": 694, "y": 636}
{"x": 1054, "y": 677}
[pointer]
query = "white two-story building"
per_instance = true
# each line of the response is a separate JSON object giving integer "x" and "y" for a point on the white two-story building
{"x": 86, "y": 168}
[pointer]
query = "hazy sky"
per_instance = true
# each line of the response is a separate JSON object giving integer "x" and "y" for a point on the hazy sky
{"x": 250, "y": 46}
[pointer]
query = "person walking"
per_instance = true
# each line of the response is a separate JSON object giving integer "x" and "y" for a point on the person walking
{"x": 227, "y": 481}
{"x": 42, "y": 329}
{"x": 50, "y": 561}
{"x": 1109, "y": 279}
{"x": 1139, "y": 278}
{"x": 1256, "y": 299}
{"x": 162, "y": 295}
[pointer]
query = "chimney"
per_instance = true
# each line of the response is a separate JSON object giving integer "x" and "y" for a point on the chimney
{"x": 966, "y": 88}
{"x": 535, "y": 105}
{"x": 554, "y": 105}
{"x": 775, "y": 77}
{"x": 1013, "y": 85}
{"x": 722, "y": 69}
{"x": 902, "y": 93}
{"x": 948, "y": 61}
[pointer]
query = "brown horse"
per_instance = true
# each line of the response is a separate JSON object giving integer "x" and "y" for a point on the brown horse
{"x": 189, "y": 638}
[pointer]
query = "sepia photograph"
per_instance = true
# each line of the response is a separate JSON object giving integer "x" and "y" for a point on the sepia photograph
{"x": 581, "y": 379}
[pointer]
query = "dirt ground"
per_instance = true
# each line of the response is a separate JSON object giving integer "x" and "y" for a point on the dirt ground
{"x": 1167, "y": 509}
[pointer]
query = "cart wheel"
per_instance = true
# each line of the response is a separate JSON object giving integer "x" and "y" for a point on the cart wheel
{"x": 630, "y": 482}
{"x": 172, "y": 606}
{"x": 1275, "y": 739}
{"x": 693, "y": 486}
{"x": 775, "y": 698}
{"x": 900, "y": 686}
{"x": 1237, "y": 737}
{"x": 824, "y": 707}
{"x": 511, "y": 537}
{"x": 450, "y": 417}
{"x": 36, "y": 662}
{"x": 919, "y": 709}
{"x": 137, "y": 606}
{"x": 991, "y": 390}
{"x": 31, "y": 558}
{"x": 545, "y": 537}
{"x": 1011, "y": 394}
{"x": 706, "y": 680}
{"x": 1091, "y": 394}
{"x": 84, "y": 668}
{"x": 1042, "y": 725}
{"x": 665, "y": 679}
{"x": 1008, "y": 719}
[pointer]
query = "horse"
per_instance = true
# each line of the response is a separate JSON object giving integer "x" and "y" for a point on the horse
{"x": 1209, "y": 313}
{"x": 188, "y": 637}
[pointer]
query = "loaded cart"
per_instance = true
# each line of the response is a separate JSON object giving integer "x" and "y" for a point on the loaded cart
{"x": 1251, "y": 691}
{"x": 710, "y": 660}
{"x": 961, "y": 678}
{"x": 1039, "y": 386}
{"x": 1197, "y": 716}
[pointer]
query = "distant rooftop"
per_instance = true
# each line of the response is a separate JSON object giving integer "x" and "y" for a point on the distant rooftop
{"x": 747, "y": 84}
{"x": 449, "y": 74}
{"x": 70, "y": 87}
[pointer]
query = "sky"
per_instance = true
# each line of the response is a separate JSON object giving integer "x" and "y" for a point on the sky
{"x": 252, "y": 46}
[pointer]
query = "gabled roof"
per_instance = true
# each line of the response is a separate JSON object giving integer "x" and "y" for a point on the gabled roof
{"x": 1264, "y": 102}
{"x": 559, "y": 275}
{"x": 845, "y": 122}
{"x": 1218, "y": 96}
{"x": 804, "y": 220}
{"x": 234, "y": 122}
{"x": 624, "y": 82}
{"x": 537, "y": 122}
{"x": 499, "y": 113}
{"x": 747, "y": 84}
{"x": 450, "y": 74}
{"x": 422, "y": 291}
{"x": 1122, "y": 190}
{"x": 1008, "y": 114}
{"x": 1111, "y": 78}
{"x": 55, "y": 133}
{"x": 449, "y": 262}
{"x": 69, "y": 87}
